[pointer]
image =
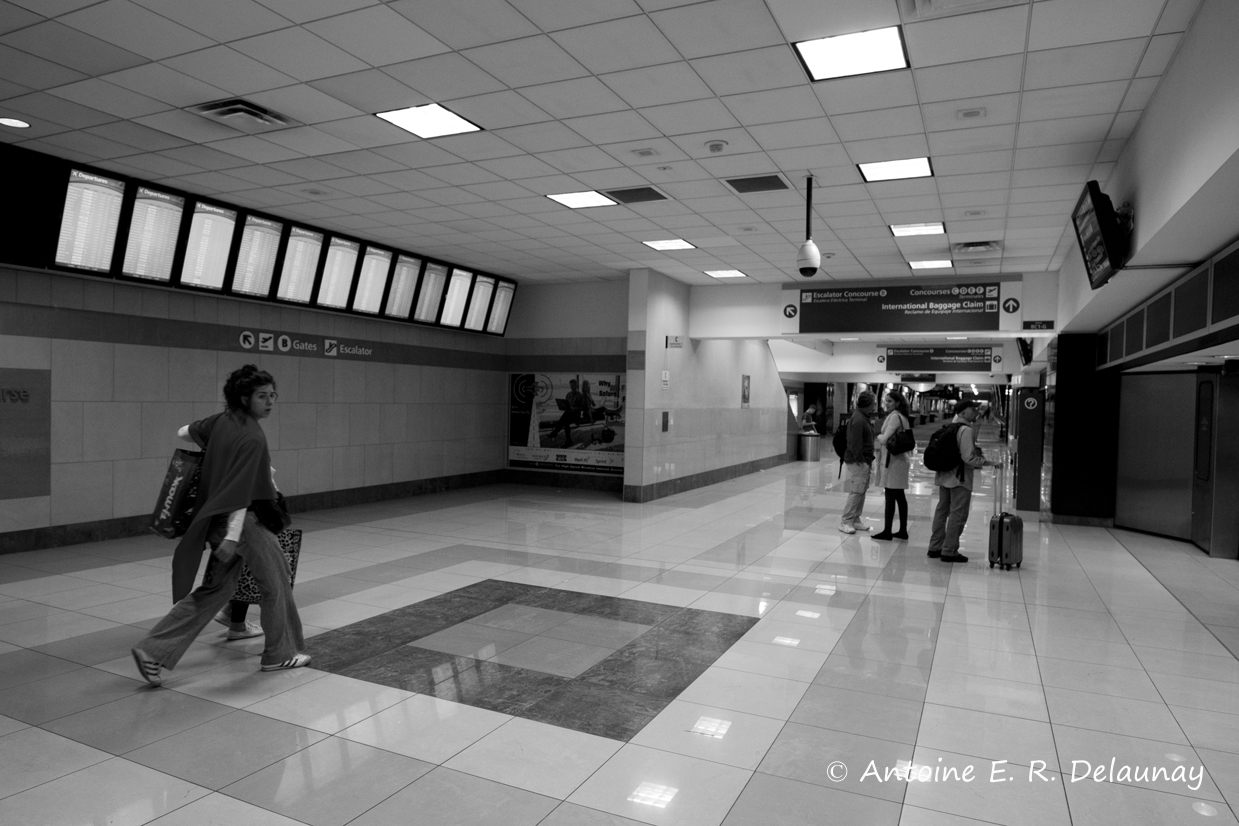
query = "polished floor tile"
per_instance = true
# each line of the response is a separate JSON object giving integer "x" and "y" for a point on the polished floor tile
{"x": 426, "y": 728}
{"x": 451, "y": 798}
{"x": 720, "y": 735}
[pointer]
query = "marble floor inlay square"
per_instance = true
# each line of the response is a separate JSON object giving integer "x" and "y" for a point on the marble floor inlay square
{"x": 596, "y": 664}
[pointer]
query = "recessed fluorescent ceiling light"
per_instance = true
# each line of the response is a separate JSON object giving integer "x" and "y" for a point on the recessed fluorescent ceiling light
{"x": 14, "y": 122}
{"x": 929, "y": 265}
{"x": 581, "y": 200}
{"x": 725, "y": 274}
{"x": 957, "y": 338}
{"x": 429, "y": 121}
{"x": 896, "y": 170}
{"x": 670, "y": 244}
{"x": 861, "y": 53}
{"x": 850, "y": 339}
{"x": 901, "y": 230}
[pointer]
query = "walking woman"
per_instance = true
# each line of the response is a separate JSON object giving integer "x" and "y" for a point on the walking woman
{"x": 236, "y": 481}
{"x": 893, "y": 470}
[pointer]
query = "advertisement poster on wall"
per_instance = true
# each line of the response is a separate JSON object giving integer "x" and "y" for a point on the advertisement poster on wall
{"x": 567, "y": 422}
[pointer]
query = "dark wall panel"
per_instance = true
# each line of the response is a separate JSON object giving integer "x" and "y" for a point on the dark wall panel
{"x": 1135, "y": 334}
{"x": 1191, "y": 303}
{"x": 1083, "y": 454}
{"x": 1226, "y": 287}
{"x": 1157, "y": 322}
{"x": 1153, "y": 490}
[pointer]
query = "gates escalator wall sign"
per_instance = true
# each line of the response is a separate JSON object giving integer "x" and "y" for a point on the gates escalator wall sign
{"x": 25, "y": 433}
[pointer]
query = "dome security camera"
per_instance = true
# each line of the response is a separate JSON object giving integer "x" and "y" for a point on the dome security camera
{"x": 809, "y": 259}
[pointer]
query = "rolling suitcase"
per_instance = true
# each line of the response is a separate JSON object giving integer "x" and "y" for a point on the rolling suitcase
{"x": 1006, "y": 531}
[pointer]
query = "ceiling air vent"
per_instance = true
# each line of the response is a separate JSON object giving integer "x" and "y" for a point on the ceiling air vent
{"x": 925, "y": 9}
{"x": 973, "y": 247}
{"x": 636, "y": 195}
{"x": 757, "y": 183}
{"x": 243, "y": 116}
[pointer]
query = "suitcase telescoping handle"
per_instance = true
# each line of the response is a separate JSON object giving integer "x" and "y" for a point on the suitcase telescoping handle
{"x": 999, "y": 488}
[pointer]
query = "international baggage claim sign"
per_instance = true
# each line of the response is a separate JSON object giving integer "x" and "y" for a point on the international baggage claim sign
{"x": 913, "y": 308}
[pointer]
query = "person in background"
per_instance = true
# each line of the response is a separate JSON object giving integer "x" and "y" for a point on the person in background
{"x": 955, "y": 488}
{"x": 857, "y": 462}
{"x": 808, "y": 420}
{"x": 893, "y": 470}
{"x": 236, "y": 479}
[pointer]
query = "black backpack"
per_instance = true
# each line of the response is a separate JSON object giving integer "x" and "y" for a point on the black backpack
{"x": 942, "y": 452}
{"x": 840, "y": 441}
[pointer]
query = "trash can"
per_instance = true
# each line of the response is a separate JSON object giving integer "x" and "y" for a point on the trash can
{"x": 810, "y": 447}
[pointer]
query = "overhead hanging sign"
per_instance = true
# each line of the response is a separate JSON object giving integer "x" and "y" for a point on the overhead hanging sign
{"x": 941, "y": 359}
{"x": 913, "y": 308}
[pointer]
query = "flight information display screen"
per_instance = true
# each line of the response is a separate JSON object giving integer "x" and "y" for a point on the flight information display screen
{"x": 403, "y": 285}
{"x": 498, "y": 320}
{"x": 260, "y": 242}
{"x": 300, "y": 264}
{"x": 432, "y": 291}
{"x": 88, "y": 226}
{"x": 457, "y": 294}
{"x": 338, "y": 273}
{"x": 152, "y": 234}
{"x": 479, "y": 303}
{"x": 210, "y": 239}
{"x": 374, "y": 266}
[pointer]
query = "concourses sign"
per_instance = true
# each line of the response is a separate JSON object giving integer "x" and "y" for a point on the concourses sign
{"x": 914, "y": 308}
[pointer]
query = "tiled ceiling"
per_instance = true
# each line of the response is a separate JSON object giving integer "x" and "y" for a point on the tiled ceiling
{"x": 567, "y": 91}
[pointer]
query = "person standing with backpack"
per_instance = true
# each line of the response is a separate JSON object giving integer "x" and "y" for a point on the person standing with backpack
{"x": 953, "y": 455}
{"x": 857, "y": 461}
{"x": 895, "y": 462}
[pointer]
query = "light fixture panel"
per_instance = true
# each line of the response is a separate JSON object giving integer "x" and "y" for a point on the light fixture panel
{"x": 904, "y": 230}
{"x": 582, "y": 200}
{"x": 899, "y": 170}
{"x": 670, "y": 244}
{"x": 859, "y": 53}
{"x": 929, "y": 265}
{"x": 14, "y": 123}
{"x": 429, "y": 121}
{"x": 725, "y": 274}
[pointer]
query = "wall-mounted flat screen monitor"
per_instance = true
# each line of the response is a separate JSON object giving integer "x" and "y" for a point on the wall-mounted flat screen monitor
{"x": 373, "y": 278}
{"x": 88, "y": 225}
{"x": 300, "y": 265}
{"x": 502, "y": 305}
{"x": 479, "y": 303}
{"x": 210, "y": 239}
{"x": 338, "y": 273}
{"x": 431, "y": 293}
{"x": 457, "y": 295}
{"x": 403, "y": 285}
{"x": 153, "y": 231}
{"x": 260, "y": 243}
{"x": 1097, "y": 230}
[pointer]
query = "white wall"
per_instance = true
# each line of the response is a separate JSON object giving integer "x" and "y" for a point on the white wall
{"x": 597, "y": 309}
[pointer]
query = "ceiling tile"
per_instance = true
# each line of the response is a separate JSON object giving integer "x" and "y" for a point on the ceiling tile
{"x": 904, "y": 120}
{"x": 220, "y": 20}
{"x": 520, "y": 166}
{"x": 229, "y": 70}
{"x": 752, "y": 71}
{"x": 88, "y": 144}
{"x": 1073, "y": 101}
{"x": 887, "y": 149}
{"x": 14, "y": 17}
{"x": 527, "y": 62}
{"x": 370, "y": 91}
{"x": 552, "y": 15}
{"x": 691, "y": 116}
{"x": 615, "y": 127}
{"x": 1094, "y": 63}
{"x": 106, "y": 97}
{"x": 498, "y": 109}
{"x": 574, "y": 98}
{"x": 139, "y": 30}
{"x": 1157, "y": 58}
{"x": 203, "y": 156}
{"x": 303, "y": 11}
{"x": 497, "y": 191}
{"x": 1071, "y": 154}
{"x": 774, "y": 106}
{"x": 945, "y": 115}
{"x": 378, "y": 35}
{"x": 69, "y": 47}
{"x": 362, "y": 162}
{"x": 157, "y": 166}
{"x": 464, "y": 23}
{"x": 718, "y": 26}
{"x": 136, "y": 135}
{"x": 255, "y": 149}
{"x": 1065, "y": 130}
{"x": 33, "y": 72}
{"x": 954, "y": 81}
{"x": 656, "y": 85}
{"x": 542, "y": 137}
{"x": 57, "y": 110}
{"x": 1139, "y": 94}
{"x": 811, "y": 157}
{"x": 861, "y": 94}
{"x": 966, "y": 164}
{"x": 804, "y": 19}
{"x": 808, "y": 132}
{"x": 458, "y": 174}
{"x": 309, "y": 141}
{"x": 973, "y": 183}
{"x": 299, "y": 53}
{"x": 1176, "y": 16}
{"x": 980, "y": 139}
{"x": 618, "y": 45}
{"x": 582, "y": 159}
{"x": 1058, "y": 23}
{"x": 477, "y": 146}
{"x": 1124, "y": 125}
{"x": 417, "y": 155}
{"x": 967, "y": 36}
{"x": 1048, "y": 176}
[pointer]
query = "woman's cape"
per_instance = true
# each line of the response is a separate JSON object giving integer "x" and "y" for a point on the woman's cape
{"x": 236, "y": 470}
